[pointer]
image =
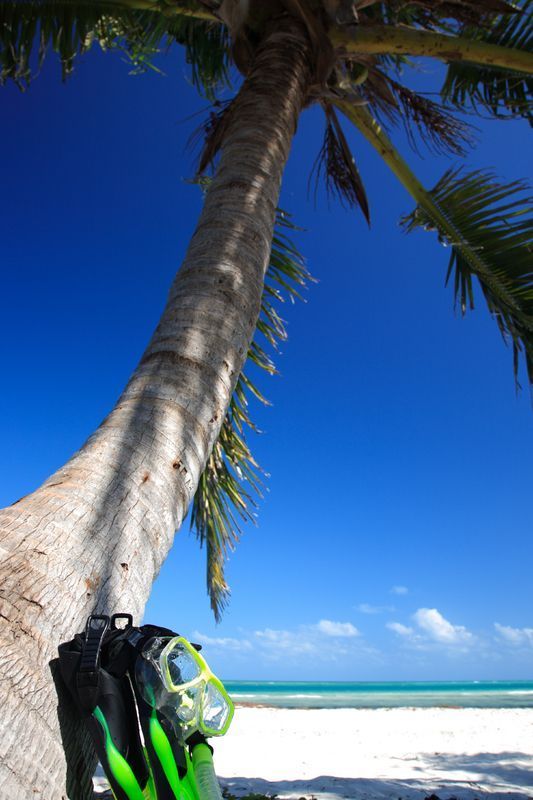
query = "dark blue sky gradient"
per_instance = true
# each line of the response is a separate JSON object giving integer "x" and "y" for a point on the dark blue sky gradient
{"x": 398, "y": 451}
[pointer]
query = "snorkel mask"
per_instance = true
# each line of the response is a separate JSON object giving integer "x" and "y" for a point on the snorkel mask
{"x": 173, "y": 678}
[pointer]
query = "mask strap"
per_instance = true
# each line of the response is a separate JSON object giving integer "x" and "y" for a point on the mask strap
{"x": 88, "y": 675}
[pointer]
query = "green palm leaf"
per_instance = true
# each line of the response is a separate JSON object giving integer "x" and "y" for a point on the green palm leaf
{"x": 489, "y": 89}
{"x": 232, "y": 481}
{"x": 489, "y": 227}
{"x": 30, "y": 28}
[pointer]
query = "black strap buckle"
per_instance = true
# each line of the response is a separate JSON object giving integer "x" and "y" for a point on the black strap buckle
{"x": 127, "y": 617}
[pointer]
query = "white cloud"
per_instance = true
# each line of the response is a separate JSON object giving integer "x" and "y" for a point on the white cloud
{"x": 399, "y": 590}
{"x": 278, "y": 642}
{"x": 330, "y": 628}
{"x": 515, "y": 636}
{"x": 433, "y": 632}
{"x": 224, "y": 643}
{"x": 366, "y": 608}
{"x": 297, "y": 644}
{"x": 278, "y": 637}
{"x": 275, "y": 644}
{"x": 439, "y": 629}
{"x": 401, "y": 630}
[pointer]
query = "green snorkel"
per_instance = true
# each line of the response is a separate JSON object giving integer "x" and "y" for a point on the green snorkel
{"x": 149, "y": 701}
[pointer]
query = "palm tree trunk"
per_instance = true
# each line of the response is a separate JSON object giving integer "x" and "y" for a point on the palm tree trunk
{"x": 94, "y": 535}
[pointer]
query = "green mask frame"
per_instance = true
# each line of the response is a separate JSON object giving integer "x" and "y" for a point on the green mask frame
{"x": 187, "y": 688}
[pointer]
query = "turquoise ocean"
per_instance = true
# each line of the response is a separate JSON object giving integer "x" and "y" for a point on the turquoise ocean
{"x": 469, "y": 694}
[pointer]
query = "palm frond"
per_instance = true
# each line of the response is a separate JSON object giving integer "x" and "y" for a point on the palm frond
{"x": 232, "y": 482}
{"x": 335, "y": 160}
{"x": 489, "y": 227}
{"x": 30, "y": 28}
{"x": 436, "y": 16}
{"x": 437, "y": 128}
{"x": 207, "y": 51}
{"x": 485, "y": 89}
{"x": 440, "y": 130}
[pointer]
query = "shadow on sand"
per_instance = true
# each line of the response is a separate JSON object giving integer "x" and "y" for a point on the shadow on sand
{"x": 502, "y": 776}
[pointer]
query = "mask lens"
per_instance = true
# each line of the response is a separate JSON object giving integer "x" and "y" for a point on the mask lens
{"x": 182, "y": 666}
{"x": 215, "y": 708}
{"x": 188, "y": 709}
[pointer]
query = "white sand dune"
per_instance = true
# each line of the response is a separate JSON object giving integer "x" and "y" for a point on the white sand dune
{"x": 373, "y": 754}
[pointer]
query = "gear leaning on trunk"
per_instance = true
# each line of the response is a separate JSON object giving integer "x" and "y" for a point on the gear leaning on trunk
{"x": 149, "y": 702}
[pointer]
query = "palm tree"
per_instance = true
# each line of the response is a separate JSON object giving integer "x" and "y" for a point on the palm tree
{"x": 97, "y": 531}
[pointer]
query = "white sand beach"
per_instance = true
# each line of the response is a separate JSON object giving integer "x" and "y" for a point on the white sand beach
{"x": 377, "y": 754}
{"x": 373, "y": 754}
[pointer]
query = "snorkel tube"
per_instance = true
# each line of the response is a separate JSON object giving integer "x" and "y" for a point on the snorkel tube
{"x": 149, "y": 701}
{"x": 181, "y": 702}
{"x": 204, "y": 771}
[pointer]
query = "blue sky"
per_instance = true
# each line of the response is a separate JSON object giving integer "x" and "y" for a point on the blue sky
{"x": 395, "y": 538}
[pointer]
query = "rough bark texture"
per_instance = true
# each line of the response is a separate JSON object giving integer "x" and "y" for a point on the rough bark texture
{"x": 94, "y": 536}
